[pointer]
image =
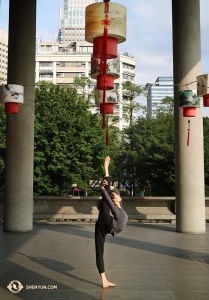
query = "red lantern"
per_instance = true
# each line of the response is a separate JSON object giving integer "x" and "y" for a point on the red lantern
{"x": 105, "y": 81}
{"x": 107, "y": 108}
{"x": 206, "y": 100}
{"x": 111, "y": 47}
{"x": 11, "y": 108}
{"x": 189, "y": 111}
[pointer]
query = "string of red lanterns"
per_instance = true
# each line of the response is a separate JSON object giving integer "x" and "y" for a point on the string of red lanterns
{"x": 105, "y": 28}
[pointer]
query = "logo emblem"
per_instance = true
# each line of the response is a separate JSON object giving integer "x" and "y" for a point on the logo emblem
{"x": 15, "y": 286}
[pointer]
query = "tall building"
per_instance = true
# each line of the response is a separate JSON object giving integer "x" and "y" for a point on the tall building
{"x": 3, "y": 56}
{"x": 56, "y": 65}
{"x": 70, "y": 56}
{"x": 72, "y": 21}
{"x": 162, "y": 88}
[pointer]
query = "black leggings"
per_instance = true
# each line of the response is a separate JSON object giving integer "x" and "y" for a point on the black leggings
{"x": 103, "y": 226}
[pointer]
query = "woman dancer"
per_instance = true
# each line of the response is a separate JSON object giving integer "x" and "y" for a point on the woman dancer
{"x": 107, "y": 224}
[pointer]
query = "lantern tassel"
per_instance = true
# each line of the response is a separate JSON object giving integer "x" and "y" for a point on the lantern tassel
{"x": 103, "y": 121}
{"x": 188, "y": 135}
{"x": 103, "y": 63}
{"x": 103, "y": 108}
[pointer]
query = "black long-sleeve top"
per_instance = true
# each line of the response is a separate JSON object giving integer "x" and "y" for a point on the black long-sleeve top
{"x": 120, "y": 217}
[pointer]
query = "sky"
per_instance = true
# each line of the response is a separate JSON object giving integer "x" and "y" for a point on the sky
{"x": 149, "y": 33}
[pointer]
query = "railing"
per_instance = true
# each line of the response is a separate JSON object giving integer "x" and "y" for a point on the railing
{"x": 73, "y": 208}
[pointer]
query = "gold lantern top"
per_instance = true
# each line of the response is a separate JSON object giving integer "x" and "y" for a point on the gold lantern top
{"x": 95, "y": 15}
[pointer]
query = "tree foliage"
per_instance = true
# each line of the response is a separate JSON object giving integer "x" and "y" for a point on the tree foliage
{"x": 130, "y": 107}
{"x": 69, "y": 141}
{"x": 148, "y": 154}
{"x": 81, "y": 82}
{"x": 70, "y": 146}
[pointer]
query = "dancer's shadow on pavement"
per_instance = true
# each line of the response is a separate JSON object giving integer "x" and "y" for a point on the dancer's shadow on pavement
{"x": 64, "y": 268}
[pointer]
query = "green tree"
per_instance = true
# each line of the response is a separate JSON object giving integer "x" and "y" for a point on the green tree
{"x": 81, "y": 82}
{"x": 166, "y": 106}
{"x": 69, "y": 141}
{"x": 148, "y": 153}
{"x": 130, "y": 92}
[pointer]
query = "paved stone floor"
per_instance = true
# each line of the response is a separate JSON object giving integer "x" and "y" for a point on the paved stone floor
{"x": 146, "y": 261}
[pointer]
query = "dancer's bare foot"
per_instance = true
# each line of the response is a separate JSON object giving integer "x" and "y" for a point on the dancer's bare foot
{"x": 105, "y": 282}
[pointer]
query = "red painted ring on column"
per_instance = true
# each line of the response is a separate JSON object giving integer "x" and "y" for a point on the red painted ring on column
{"x": 112, "y": 44}
{"x": 105, "y": 81}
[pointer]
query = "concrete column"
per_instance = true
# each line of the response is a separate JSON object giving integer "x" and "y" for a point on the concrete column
{"x": 190, "y": 193}
{"x": 18, "y": 199}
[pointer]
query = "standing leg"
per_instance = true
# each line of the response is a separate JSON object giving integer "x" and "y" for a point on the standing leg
{"x": 99, "y": 244}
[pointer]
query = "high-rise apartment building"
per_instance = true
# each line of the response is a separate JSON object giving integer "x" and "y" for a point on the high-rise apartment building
{"x": 55, "y": 65}
{"x": 157, "y": 91}
{"x": 72, "y": 21}
{"x": 3, "y": 56}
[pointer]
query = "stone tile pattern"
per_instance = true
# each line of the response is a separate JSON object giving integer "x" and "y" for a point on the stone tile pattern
{"x": 147, "y": 261}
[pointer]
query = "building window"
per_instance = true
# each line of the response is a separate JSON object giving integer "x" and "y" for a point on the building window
{"x": 46, "y": 75}
{"x": 48, "y": 48}
{"x": 62, "y": 64}
{"x": 45, "y": 64}
{"x": 80, "y": 74}
{"x": 42, "y": 48}
{"x": 126, "y": 66}
{"x": 86, "y": 49}
{"x": 62, "y": 75}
